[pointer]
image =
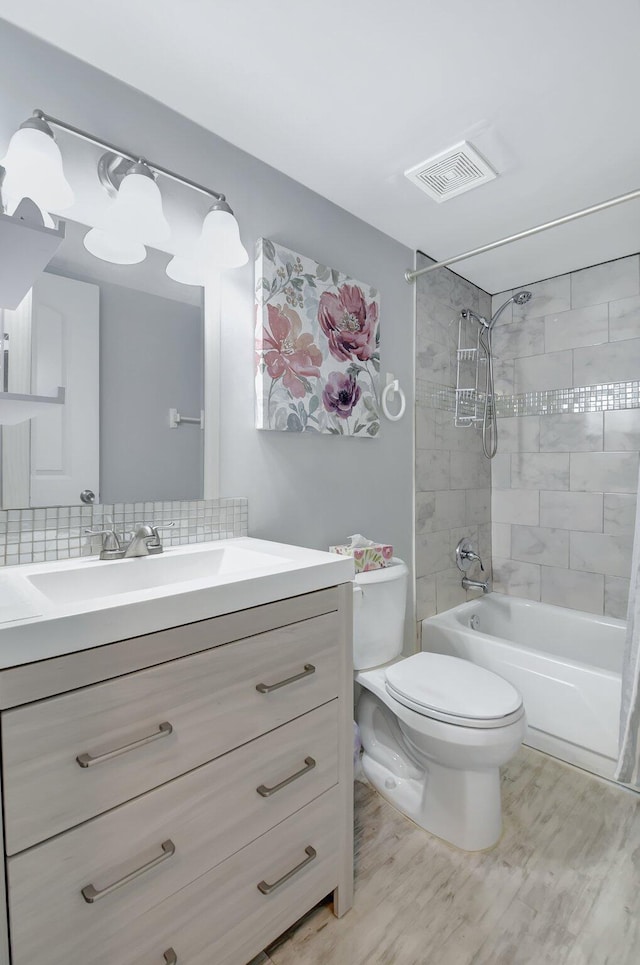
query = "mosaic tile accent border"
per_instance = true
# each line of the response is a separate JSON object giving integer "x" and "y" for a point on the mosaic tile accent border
{"x": 586, "y": 398}
{"x": 58, "y": 532}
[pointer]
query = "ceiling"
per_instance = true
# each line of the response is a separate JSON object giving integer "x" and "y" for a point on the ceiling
{"x": 345, "y": 95}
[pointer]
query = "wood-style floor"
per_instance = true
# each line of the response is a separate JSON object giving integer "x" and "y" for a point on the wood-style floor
{"x": 562, "y": 886}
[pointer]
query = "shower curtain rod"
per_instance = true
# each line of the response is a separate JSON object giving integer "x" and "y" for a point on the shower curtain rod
{"x": 410, "y": 276}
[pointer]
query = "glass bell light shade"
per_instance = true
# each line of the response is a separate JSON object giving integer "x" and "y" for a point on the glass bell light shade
{"x": 33, "y": 164}
{"x": 220, "y": 245}
{"x": 137, "y": 213}
{"x": 185, "y": 269}
{"x": 112, "y": 247}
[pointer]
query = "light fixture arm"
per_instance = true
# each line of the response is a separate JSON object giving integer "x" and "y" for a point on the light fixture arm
{"x": 41, "y": 116}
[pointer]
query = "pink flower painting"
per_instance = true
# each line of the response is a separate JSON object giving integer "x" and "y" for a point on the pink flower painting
{"x": 289, "y": 354}
{"x": 317, "y": 347}
{"x": 349, "y": 323}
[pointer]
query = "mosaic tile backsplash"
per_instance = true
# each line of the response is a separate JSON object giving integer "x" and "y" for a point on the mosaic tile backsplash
{"x": 58, "y": 533}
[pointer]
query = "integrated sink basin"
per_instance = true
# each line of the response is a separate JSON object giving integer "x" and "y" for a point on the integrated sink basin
{"x": 90, "y": 580}
{"x": 47, "y": 609}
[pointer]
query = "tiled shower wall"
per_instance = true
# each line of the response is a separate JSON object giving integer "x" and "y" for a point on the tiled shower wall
{"x": 452, "y": 476}
{"x": 564, "y": 485}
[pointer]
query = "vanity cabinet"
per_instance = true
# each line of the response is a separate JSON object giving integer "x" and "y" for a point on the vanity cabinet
{"x": 189, "y": 805}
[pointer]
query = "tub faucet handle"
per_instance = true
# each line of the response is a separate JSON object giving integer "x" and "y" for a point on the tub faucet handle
{"x": 466, "y": 555}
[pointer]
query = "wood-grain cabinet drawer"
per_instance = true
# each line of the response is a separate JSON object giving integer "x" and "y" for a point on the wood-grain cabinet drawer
{"x": 69, "y": 758}
{"x": 179, "y": 832}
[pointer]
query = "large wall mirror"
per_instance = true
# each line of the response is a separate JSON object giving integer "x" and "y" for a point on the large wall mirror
{"x": 127, "y": 344}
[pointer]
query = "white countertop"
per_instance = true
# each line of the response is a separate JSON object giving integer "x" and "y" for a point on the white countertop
{"x": 35, "y": 626}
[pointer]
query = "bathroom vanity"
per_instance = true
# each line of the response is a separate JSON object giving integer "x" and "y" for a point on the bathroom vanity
{"x": 176, "y": 757}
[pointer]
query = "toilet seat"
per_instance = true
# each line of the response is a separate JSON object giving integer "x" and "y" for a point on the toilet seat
{"x": 453, "y": 690}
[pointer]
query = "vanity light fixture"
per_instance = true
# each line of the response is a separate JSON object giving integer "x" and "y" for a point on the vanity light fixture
{"x": 220, "y": 243}
{"x": 33, "y": 165}
{"x": 218, "y": 247}
{"x": 186, "y": 270}
{"x": 135, "y": 218}
{"x": 115, "y": 248}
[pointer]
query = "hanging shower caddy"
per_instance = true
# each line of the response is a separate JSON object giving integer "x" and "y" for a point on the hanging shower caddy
{"x": 470, "y": 374}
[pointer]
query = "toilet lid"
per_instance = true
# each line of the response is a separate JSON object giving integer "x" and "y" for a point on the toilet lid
{"x": 449, "y": 688}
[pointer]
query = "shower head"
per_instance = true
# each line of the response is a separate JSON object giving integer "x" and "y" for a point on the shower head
{"x": 520, "y": 298}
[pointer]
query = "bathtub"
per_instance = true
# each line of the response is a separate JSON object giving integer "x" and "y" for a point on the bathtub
{"x": 566, "y": 664}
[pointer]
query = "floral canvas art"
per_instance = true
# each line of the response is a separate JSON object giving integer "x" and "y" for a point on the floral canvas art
{"x": 317, "y": 347}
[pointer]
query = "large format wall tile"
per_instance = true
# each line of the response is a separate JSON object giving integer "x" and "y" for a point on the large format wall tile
{"x": 516, "y": 579}
{"x": 425, "y": 597}
{"x": 567, "y": 510}
{"x": 432, "y": 470}
{"x": 624, "y": 318}
{"x": 582, "y": 591}
{"x": 614, "y": 362}
{"x": 548, "y": 296}
{"x": 469, "y": 470}
{"x": 622, "y": 430}
{"x": 601, "y": 553}
{"x": 613, "y": 472}
{"x": 604, "y": 283}
{"x": 519, "y": 434}
{"x": 540, "y": 470}
{"x": 433, "y": 552}
{"x": 616, "y": 596}
{"x": 572, "y": 433}
{"x": 478, "y": 506}
{"x": 551, "y": 371}
{"x": 516, "y": 506}
{"x": 433, "y": 362}
{"x": 501, "y": 540}
{"x": 619, "y": 513}
{"x": 582, "y": 326}
{"x": 440, "y": 510}
{"x": 537, "y": 544}
{"x": 519, "y": 338}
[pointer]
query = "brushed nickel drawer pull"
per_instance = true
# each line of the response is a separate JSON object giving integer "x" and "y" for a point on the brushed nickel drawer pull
{"x": 265, "y": 791}
{"x": 170, "y": 957}
{"x": 86, "y": 760}
{"x": 91, "y": 894}
{"x": 267, "y": 889}
{"x": 267, "y": 688}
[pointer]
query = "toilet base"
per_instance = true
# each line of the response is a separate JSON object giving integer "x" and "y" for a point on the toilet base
{"x": 461, "y": 807}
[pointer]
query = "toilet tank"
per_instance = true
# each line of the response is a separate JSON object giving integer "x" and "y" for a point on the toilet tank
{"x": 379, "y": 605}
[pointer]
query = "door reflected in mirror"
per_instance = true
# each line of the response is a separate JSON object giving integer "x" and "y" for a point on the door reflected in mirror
{"x": 126, "y": 344}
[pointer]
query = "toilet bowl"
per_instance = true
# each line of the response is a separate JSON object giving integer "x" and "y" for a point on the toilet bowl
{"x": 435, "y": 729}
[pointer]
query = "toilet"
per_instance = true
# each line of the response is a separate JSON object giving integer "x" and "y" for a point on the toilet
{"x": 435, "y": 729}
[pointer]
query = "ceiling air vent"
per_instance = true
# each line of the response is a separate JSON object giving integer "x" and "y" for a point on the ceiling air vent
{"x": 452, "y": 172}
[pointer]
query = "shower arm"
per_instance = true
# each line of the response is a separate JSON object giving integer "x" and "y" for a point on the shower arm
{"x": 410, "y": 276}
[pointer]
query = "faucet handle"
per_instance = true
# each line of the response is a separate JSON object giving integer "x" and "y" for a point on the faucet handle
{"x": 110, "y": 539}
{"x": 466, "y": 555}
{"x": 111, "y": 549}
{"x": 157, "y": 527}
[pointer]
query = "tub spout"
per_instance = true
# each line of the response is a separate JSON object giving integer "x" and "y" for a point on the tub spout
{"x": 468, "y": 584}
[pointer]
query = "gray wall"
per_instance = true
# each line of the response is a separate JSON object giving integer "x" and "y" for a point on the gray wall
{"x": 304, "y": 489}
{"x": 453, "y": 478}
{"x": 564, "y": 486}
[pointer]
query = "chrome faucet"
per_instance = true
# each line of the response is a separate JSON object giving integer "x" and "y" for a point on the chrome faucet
{"x": 466, "y": 556}
{"x": 145, "y": 541}
{"x": 483, "y": 585}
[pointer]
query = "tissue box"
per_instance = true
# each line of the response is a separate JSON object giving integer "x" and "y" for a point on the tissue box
{"x": 366, "y": 558}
